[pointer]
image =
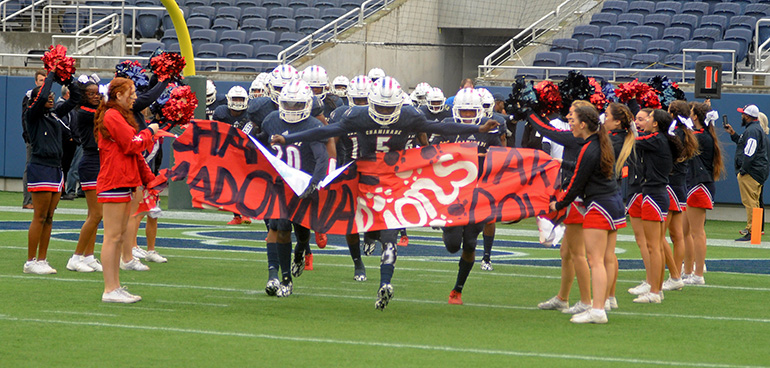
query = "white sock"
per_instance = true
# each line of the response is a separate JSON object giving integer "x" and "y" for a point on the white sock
{"x": 88, "y": 259}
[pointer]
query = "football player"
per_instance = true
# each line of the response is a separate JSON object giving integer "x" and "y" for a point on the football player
{"x": 234, "y": 113}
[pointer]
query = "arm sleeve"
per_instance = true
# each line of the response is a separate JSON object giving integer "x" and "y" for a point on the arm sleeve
{"x": 422, "y": 124}
{"x": 749, "y": 151}
{"x": 70, "y": 103}
{"x": 321, "y": 161}
{"x": 146, "y": 99}
{"x": 37, "y": 109}
{"x": 646, "y": 142}
{"x": 124, "y": 135}
{"x": 317, "y": 134}
{"x": 735, "y": 137}
{"x": 584, "y": 167}
{"x": 563, "y": 137}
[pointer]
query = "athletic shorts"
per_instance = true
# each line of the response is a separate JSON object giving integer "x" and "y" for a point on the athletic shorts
{"x": 280, "y": 225}
{"x": 116, "y": 195}
{"x": 634, "y": 207}
{"x": 605, "y": 213}
{"x": 575, "y": 213}
{"x": 88, "y": 170}
{"x": 677, "y": 197}
{"x": 41, "y": 178}
{"x": 701, "y": 196}
{"x": 655, "y": 206}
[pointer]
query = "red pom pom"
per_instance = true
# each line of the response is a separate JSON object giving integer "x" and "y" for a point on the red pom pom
{"x": 649, "y": 99}
{"x": 598, "y": 99}
{"x": 56, "y": 61}
{"x": 167, "y": 65}
{"x": 642, "y": 92}
{"x": 180, "y": 107}
{"x": 549, "y": 97}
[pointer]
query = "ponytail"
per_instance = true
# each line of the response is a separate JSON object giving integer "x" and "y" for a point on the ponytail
{"x": 680, "y": 110}
{"x": 700, "y": 110}
{"x": 622, "y": 114}
{"x": 590, "y": 116}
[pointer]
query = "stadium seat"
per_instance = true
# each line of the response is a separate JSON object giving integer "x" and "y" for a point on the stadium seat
{"x": 743, "y": 22}
{"x": 308, "y": 26}
{"x": 675, "y": 61}
{"x": 716, "y": 21}
{"x": 709, "y": 34}
{"x": 174, "y": 47}
{"x": 584, "y": 32}
{"x": 644, "y": 61}
{"x": 224, "y": 24}
{"x": 240, "y": 51}
{"x": 743, "y": 37}
{"x": 564, "y": 46}
{"x": 247, "y": 3}
{"x": 261, "y": 38}
{"x": 280, "y": 13}
{"x": 604, "y": 19}
{"x": 144, "y": 3}
{"x": 695, "y": 8}
{"x": 630, "y": 20}
{"x": 289, "y": 38}
{"x": 268, "y": 52}
{"x": 210, "y": 50}
{"x": 725, "y": 60}
{"x": 641, "y": 7}
{"x": 729, "y": 10}
{"x": 70, "y": 23}
{"x": 597, "y": 46}
{"x": 615, "y": 7}
{"x": 629, "y": 48}
{"x": 668, "y": 7}
{"x": 195, "y": 23}
{"x": 579, "y": 60}
{"x": 306, "y": 13}
{"x": 196, "y": 3}
{"x": 757, "y": 10}
{"x": 324, "y": 4}
{"x": 219, "y": 4}
{"x": 613, "y": 34}
{"x": 745, "y": 3}
{"x": 299, "y": 4}
{"x": 148, "y": 48}
{"x": 728, "y": 45}
{"x": 283, "y": 25}
{"x": 659, "y": 21}
{"x": 545, "y": 59}
{"x": 254, "y": 12}
{"x": 660, "y": 48}
{"x": 229, "y": 12}
{"x": 270, "y": 4}
{"x": 246, "y": 68}
{"x": 711, "y": 4}
{"x": 232, "y": 37}
{"x": 253, "y": 24}
{"x": 688, "y": 21}
{"x": 332, "y": 14}
{"x": 644, "y": 34}
{"x": 203, "y": 11}
{"x": 169, "y": 37}
{"x": 676, "y": 34}
{"x": 349, "y": 5}
{"x": 610, "y": 61}
{"x": 148, "y": 22}
{"x": 201, "y": 36}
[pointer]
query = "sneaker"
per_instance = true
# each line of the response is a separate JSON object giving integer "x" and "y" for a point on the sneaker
{"x": 383, "y": 296}
{"x": 297, "y": 267}
{"x": 309, "y": 262}
{"x": 743, "y": 232}
{"x": 746, "y": 237}
{"x": 369, "y": 248}
{"x": 237, "y": 220}
{"x": 246, "y": 220}
{"x": 120, "y": 295}
{"x": 360, "y": 275}
{"x": 613, "y": 302}
{"x": 607, "y": 305}
{"x": 686, "y": 276}
{"x": 285, "y": 290}
{"x": 138, "y": 253}
{"x": 554, "y": 304}
{"x": 590, "y": 316}
{"x": 649, "y": 298}
{"x": 455, "y": 297}
{"x": 92, "y": 262}
{"x": 30, "y": 266}
{"x": 28, "y": 207}
{"x": 486, "y": 266}
{"x": 75, "y": 263}
{"x": 640, "y": 289}
{"x": 404, "y": 241}
{"x": 695, "y": 280}
{"x": 577, "y": 308}
{"x": 134, "y": 265}
{"x": 272, "y": 287}
{"x": 153, "y": 256}
{"x": 672, "y": 284}
{"x": 68, "y": 197}
{"x": 44, "y": 268}
{"x": 321, "y": 240}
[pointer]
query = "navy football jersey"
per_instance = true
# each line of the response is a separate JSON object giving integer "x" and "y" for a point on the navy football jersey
{"x": 318, "y": 107}
{"x": 484, "y": 140}
{"x": 347, "y": 145}
{"x": 331, "y": 103}
{"x": 211, "y": 108}
{"x": 258, "y": 109}
{"x": 373, "y": 137}
{"x": 445, "y": 112}
{"x": 502, "y": 129}
{"x": 310, "y": 157}
{"x": 223, "y": 114}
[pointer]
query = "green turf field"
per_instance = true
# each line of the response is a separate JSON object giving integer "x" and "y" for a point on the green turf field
{"x": 207, "y": 306}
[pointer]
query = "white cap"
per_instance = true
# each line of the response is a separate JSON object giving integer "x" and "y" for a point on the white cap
{"x": 750, "y": 110}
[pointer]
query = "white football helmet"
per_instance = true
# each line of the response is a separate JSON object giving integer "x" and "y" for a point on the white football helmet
{"x": 257, "y": 88}
{"x": 279, "y": 77}
{"x": 358, "y": 90}
{"x": 418, "y": 95}
{"x": 295, "y": 101}
{"x": 488, "y": 101}
{"x": 340, "y": 86}
{"x": 211, "y": 92}
{"x": 468, "y": 107}
{"x": 237, "y": 98}
{"x": 375, "y": 74}
{"x": 385, "y": 101}
{"x": 315, "y": 76}
{"x": 435, "y": 99}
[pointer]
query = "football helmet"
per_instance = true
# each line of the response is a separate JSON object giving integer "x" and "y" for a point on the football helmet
{"x": 315, "y": 76}
{"x": 340, "y": 86}
{"x": 295, "y": 101}
{"x": 468, "y": 107}
{"x": 419, "y": 93}
{"x": 375, "y": 74}
{"x": 358, "y": 90}
{"x": 257, "y": 88}
{"x": 237, "y": 98}
{"x": 385, "y": 101}
{"x": 488, "y": 101}
{"x": 211, "y": 92}
{"x": 435, "y": 99}
{"x": 279, "y": 77}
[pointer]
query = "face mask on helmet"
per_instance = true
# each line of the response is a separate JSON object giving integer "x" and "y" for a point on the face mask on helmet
{"x": 467, "y": 107}
{"x": 340, "y": 86}
{"x": 257, "y": 87}
{"x": 211, "y": 92}
{"x": 385, "y": 101}
{"x": 316, "y": 77}
{"x": 358, "y": 90}
{"x": 435, "y": 100}
{"x": 237, "y": 98}
{"x": 295, "y": 102}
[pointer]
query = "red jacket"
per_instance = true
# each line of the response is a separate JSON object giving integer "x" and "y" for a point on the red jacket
{"x": 122, "y": 164}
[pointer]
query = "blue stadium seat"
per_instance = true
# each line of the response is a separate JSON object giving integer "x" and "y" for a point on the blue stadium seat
{"x": 729, "y": 10}
{"x": 196, "y": 3}
{"x": 232, "y": 37}
{"x": 604, "y": 19}
{"x": 270, "y": 4}
{"x": 240, "y": 51}
{"x": 229, "y": 12}
{"x": 299, "y": 4}
{"x": 676, "y": 34}
{"x": 659, "y": 21}
{"x": 148, "y": 48}
{"x": 268, "y": 52}
{"x": 201, "y": 36}
{"x": 615, "y": 7}
{"x": 641, "y": 7}
{"x": 308, "y": 26}
{"x": 644, "y": 61}
{"x": 174, "y": 47}
{"x": 306, "y": 13}
{"x": 610, "y": 61}
{"x": 644, "y": 34}
{"x": 289, "y": 38}
{"x": 254, "y": 24}
{"x": 597, "y": 46}
{"x": 743, "y": 22}
{"x": 695, "y": 8}
{"x": 695, "y": 44}
{"x": 716, "y": 21}
{"x": 688, "y": 21}
{"x": 614, "y": 34}
{"x": 169, "y": 37}
{"x": 195, "y": 23}
{"x": 218, "y": 4}
{"x": 668, "y": 7}
{"x": 757, "y": 10}
{"x": 745, "y": 3}
{"x": 584, "y": 32}
{"x": 544, "y": 59}
{"x": 660, "y": 48}
{"x": 630, "y": 20}
{"x": 725, "y": 60}
{"x": 564, "y": 46}
{"x": 283, "y": 25}
{"x": 261, "y": 38}
{"x": 349, "y": 5}
{"x": 709, "y": 34}
{"x": 629, "y": 48}
{"x": 331, "y": 14}
{"x": 728, "y": 45}
{"x": 148, "y": 22}
{"x": 743, "y": 37}
{"x": 203, "y": 11}
{"x": 324, "y": 4}
{"x": 711, "y": 4}
{"x": 675, "y": 61}
{"x": 224, "y": 24}
{"x": 280, "y": 13}
{"x": 579, "y": 60}
{"x": 210, "y": 50}
{"x": 246, "y": 68}
{"x": 144, "y": 3}
{"x": 247, "y": 3}
{"x": 254, "y": 12}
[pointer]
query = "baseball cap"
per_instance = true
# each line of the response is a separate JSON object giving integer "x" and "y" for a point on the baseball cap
{"x": 750, "y": 110}
{"x": 498, "y": 97}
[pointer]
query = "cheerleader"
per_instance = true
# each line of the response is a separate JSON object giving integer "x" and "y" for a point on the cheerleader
{"x": 634, "y": 202}
{"x": 706, "y": 168}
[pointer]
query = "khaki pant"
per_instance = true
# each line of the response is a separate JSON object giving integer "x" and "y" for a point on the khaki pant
{"x": 750, "y": 192}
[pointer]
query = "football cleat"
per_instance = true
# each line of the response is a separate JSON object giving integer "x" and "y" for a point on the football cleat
{"x": 297, "y": 268}
{"x": 272, "y": 287}
{"x": 369, "y": 248}
{"x": 486, "y": 266}
{"x": 321, "y": 240}
{"x": 383, "y": 296}
{"x": 309, "y": 262}
{"x": 404, "y": 241}
{"x": 455, "y": 298}
{"x": 285, "y": 290}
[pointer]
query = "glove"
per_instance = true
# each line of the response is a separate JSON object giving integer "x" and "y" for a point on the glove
{"x": 311, "y": 188}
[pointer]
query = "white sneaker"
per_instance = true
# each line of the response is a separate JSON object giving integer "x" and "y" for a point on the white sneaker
{"x": 30, "y": 266}
{"x": 153, "y": 256}
{"x": 92, "y": 262}
{"x": 672, "y": 284}
{"x": 120, "y": 295}
{"x": 45, "y": 268}
{"x": 640, "y": 289}
{"x": 554, "y": 304}
{"x": 649, "y": 298}
{"x": 613, "y": 302}
{"x": 695, "y": 280}
{"x": 577, "y": 308}
{"x": 138, "y": 253}
{"x": 133, "y": 265}
{"x": 590, "y": 316}
{"x": 607, "y": 305}
{"x": 486, "y": 266}
{"x": 75, "y": 263}
{"x": 686, "y": 276}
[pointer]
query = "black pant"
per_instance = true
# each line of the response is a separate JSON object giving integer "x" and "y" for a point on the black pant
{"x": 68, "y": 146}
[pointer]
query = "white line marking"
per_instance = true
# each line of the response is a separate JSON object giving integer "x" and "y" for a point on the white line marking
{"x": 376, "y": 343}
{"x": 81, "y": 313}
{"x": 193, "y": 303}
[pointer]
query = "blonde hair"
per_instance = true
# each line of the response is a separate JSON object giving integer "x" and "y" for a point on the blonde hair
{"x": 763, "y": 122}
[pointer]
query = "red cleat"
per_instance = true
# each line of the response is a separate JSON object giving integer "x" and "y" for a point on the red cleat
{"x": 455, "y": 298}
{"x": 404, "y": 241}
{"x": 309, "y": 262}
{"x": 246, "y": 220}
{"x": 320, "y": 240}
{"x": 236, "y": 221}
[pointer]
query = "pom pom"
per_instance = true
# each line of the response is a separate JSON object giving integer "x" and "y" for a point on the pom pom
{"x": 156, "y": 108}
{"x": 56, "y": 61}
{"x": 522, "y": 96}
{"x": 549, "y": 98}
{"x": 575, "y": 87}
{"x": 649, "y": 98}
{"x": 668, "y": 91}
{"x": 167, "y": 65}
{"x": 134, "y": 71}
{"x": 598, "y": 98}
{"x": 609, "y": 92}
{"x": 180, "y": 107}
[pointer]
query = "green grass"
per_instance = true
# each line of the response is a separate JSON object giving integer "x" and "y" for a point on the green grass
{"x": 208, "y": 308}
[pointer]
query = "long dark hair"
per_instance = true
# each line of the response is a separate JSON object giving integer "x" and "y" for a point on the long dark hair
{"x": 590, "y": 116}
{"x": 622, "y": 114}
{"x": 700, "y": 110}
{"x": 690, "y": 144}
{"x": 664, "y": 120}
{"x": 122, "y": 85}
